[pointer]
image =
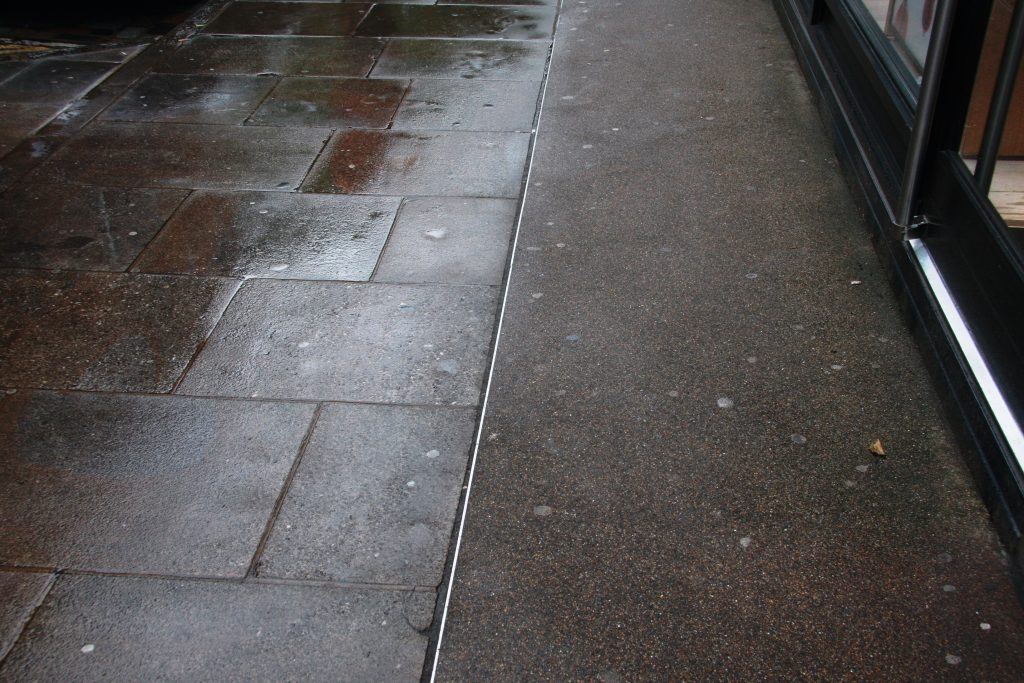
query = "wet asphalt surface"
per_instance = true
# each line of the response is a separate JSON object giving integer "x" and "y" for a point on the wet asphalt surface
{"x": 249, "y": 278}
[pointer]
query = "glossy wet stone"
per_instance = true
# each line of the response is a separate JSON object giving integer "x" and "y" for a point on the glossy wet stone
{"x": 147, "y": 484}
{"x": 157, "y": 629}
{"x": 52, "y": 81}
{"x": 487, "y": 60}
{"x": 454, "y": 240}
{"x": 543, "y": 3}
{"x": 274, "y": 55}
{"x": 288, "y": 18}
{"x": 79, "y": 227}
{"x": 22, "y": 119}
{"x": 422, "y": 163}
{"x": 468, "y": 105}
{"x": 331, "y": 103}
{"x": 115, "y": 55}
{"x": 103, "y": 331}
{"x": 349, "y": 342}
{"x": 197, "y": 98}
{"x": 374, "y": 498}
{"x": 186, "y": 155}
{"x": 417, "y": 21}
{"x": 21, "y": 591}
{"x": 272, "y": 234}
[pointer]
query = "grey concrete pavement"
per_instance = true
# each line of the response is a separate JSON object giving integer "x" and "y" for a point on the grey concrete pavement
{"x": 699, "y": 345}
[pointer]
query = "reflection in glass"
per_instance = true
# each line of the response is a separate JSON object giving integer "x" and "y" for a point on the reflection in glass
{"x": 1006, "y": 190}
{"x": 907, "y": 28}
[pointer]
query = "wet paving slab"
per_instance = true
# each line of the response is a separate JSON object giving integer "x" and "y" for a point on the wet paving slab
{"x": 438, "y": 21}
{"x": 108, "y": 628}
{"x": 142, "y": 484}
{"x": 374, "y": 498}
{"x": 108, "y": 332}
{"x": 275, "y": 235}
{"x": 186, "y": 155}
{"x": 468, "y": 105}
{"x": 195, "y": 98}
{"x": 282, "y": 55}
{"x": 485, "y": 60}
{"x": 532, "y": 3}
{"x": 421, "y": 163}
{"x": 331, "y": 103}
{"x": 80, "y": 227}
{"x": 53, "y": 81}
{"x": 20, "y": 120}
{"x": 21, "y": 591}
{"x": 452, "y": 240}
{"x": 289, "y": 18}
{"x": 349, "y": 342}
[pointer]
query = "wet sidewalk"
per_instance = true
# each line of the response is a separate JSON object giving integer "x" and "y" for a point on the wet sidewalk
{"x": 249, "y": 278}
{"x": 699, "y": 346}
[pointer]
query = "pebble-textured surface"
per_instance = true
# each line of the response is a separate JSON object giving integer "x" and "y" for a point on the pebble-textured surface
{"x": 674, "y": 480}
{"x": 94, "y": 628}
{"x": 141, "y": 484}
{"x": 21, "y": 590}
{"x": 375, "y": 498}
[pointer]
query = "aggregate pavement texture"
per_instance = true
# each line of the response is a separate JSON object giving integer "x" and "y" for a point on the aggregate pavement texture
{"x": 699, "y": 344}
{"x": 245, "y": 326}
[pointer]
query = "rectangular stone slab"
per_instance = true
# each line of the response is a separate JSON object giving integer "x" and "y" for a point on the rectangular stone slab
{"x": 422, "y": 163}
{"x": 273, "y": 234}
{"x": 349, "y": 342}
{"x": 331, "y": 103}
{"x": 80, "y": 227}
{"x": 143, "y": 484}
{"x": 481, "y": 23}
{"x": 103, "y": 331}
{"x": 52, "y": 81}
{"x": 288, "y": 19}
{"x": 192, "y": 98}
{"x": 281, "y": 55}
{"x": 156, "y": 629}
{"x": 186, "y": 155}
{"x": 374, "y": 497}
{"x": 449, "y": 104}
{"x": 483, "y": 59}
{"x": 455, "y": 240}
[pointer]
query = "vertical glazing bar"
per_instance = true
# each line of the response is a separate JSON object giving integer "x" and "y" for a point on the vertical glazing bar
{"x": 927, "y": 97}
{"x": 1000, "y": 106}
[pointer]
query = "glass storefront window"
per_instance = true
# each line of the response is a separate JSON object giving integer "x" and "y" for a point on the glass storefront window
{"x": 906, "y": 27}
{"x": 1005, "y": 188}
